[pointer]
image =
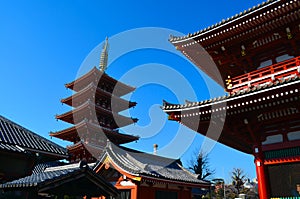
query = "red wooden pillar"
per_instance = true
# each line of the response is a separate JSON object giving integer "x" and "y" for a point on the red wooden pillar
{"x": 262, "y": 180}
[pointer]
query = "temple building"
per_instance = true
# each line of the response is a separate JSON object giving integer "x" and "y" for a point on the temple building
{"x": 60, "y": 181}
{"x": 21, "y": 150}
{"x": 149, "y": 176}
{"x": 256, "y": 55}
{"x": 95, "y": 115}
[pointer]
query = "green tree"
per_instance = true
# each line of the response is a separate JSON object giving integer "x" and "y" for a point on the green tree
{"x": 219, "y": 188}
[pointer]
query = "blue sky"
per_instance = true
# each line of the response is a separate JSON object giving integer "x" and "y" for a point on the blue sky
{"x": 44, "y": 44}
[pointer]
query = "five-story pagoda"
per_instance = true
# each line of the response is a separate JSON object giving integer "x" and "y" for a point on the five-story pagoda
{"x": 95, "y": 115}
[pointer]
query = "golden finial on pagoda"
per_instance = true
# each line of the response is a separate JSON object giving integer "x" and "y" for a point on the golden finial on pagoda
{"x": 104, "y": 56}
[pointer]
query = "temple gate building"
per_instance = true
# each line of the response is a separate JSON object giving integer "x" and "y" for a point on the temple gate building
{"x": 256, "y": 55}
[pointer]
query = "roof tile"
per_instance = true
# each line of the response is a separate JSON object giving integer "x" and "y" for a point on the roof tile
{"x": 14, "y": 137}
{"x": 143, "y": 164}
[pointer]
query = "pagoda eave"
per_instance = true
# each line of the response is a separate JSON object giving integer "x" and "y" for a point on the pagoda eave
{"x": 80, "y": 147}
{"x": 83, "y": 128}
{"x": 90, "y": 111}
{"x": 96, "y": 76}
{"x": 93, "y": 92}
{"x": 119, "y": 138}
{"x": 82, "y": 110}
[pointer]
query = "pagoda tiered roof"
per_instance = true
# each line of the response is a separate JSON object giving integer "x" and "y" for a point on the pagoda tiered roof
{"x": 100, "y": 78}
{"x": 89, "y": 109}
{"x": 239, "y": 44}
{"x": 93, "y": 92}
{"x": 95, "y": 115}
{"x": 87, "y": 129}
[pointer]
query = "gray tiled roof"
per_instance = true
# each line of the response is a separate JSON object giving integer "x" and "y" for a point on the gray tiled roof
{"x": 49, "y": 178}
{"x": 37, "y": 178}
{"x": 39, "y": 168}
{"x": 15, "y": 138}
{"x": 147, "y": 165}
{"x": 9, "y": 147}
{"x": 43, "y": 173}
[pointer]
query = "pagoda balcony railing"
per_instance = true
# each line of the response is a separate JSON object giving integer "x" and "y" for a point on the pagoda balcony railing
{"x": 281, "y": 70}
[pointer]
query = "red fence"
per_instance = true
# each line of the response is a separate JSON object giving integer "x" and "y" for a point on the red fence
{"x": 271, "y": 73}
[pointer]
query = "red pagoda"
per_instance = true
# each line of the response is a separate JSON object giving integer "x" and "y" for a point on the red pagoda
{"x": 95, "y": 115}
{"x": 257, "y": 55}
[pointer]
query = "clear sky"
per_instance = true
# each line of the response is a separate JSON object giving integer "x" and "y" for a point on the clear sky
{"x": 43, "y": 44}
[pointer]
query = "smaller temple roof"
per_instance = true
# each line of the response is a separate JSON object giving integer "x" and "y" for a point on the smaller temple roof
{"x": 63, "y": 179}
{"x": 15, "y": 138}
{"x": 149, "y": 167}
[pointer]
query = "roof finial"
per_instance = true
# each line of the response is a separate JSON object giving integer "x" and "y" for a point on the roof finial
{"x": 155, "y": 146}
{"x": 104, "y": 56}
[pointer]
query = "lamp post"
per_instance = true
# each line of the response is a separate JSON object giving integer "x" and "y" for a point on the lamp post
{"x": 224, "y": 189}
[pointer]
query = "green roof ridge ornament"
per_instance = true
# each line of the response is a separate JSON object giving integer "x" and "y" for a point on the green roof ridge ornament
{"x": 104, "y": 56}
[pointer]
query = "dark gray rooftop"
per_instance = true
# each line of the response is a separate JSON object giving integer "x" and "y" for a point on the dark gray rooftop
{"x": 148, "y": 165}
{"x": 65, "y": 177}
{"x": 15, "y": 138}
{"x": 39, "y": 168}
{"x": 39, "y": 177}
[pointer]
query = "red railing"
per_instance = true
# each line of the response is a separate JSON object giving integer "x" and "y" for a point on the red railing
{"x": 267, "y": 74}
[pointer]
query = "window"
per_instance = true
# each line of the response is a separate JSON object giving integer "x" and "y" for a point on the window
{"x": 273, "y": 139}
{"x": 283, "y": 58}
{"x": 294, "y": 135}
{"x": 265, "y": 63}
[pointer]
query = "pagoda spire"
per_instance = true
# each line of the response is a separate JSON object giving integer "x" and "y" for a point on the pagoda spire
{"x": 104, "y": 56}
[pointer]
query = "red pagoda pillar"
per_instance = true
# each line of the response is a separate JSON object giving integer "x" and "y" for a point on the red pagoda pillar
{"x": 261, "y": 174}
